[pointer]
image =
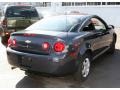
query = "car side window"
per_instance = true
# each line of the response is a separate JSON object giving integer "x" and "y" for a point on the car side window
{"x": 99, "y": 26}
{"x": 89, "y": 27}
{"x": 75, "y": 28}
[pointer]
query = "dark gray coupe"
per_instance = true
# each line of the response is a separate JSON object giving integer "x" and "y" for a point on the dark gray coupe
{"x": 59, "y": 45}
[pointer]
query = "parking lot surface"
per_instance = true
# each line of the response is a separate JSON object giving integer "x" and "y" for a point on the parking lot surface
{"x": 104, "y": 73}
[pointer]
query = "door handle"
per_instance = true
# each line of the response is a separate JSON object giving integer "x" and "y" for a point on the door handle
{"x": 99, "y": 34}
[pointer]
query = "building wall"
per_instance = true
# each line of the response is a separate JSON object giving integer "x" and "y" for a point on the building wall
{"x": 110, "y": 13}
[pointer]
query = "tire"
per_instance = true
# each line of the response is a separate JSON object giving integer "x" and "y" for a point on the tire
{"x": 112, "y": 47}
{"x": 4, "y": 40}
{"x": 84, "y": 68}
{"x": 29, "y": 73}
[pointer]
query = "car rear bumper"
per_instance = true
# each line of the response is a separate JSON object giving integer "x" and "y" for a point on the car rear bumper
{"x": 42, "y": 63}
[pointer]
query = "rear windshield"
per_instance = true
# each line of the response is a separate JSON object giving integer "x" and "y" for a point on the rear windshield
{"x": 21, "y": 11}
{"x": 58, "y": 23}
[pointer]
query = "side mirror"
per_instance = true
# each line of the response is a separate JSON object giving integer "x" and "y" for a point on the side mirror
{"x": 111, "y": 27}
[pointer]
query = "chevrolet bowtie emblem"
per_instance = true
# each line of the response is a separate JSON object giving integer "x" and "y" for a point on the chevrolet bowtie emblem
{"x": 28, "y": 41}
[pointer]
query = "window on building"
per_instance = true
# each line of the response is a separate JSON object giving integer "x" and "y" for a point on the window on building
{"x": 117, "y": 3}
{"x": 66, "y": 3}
{"x": 89, "y": 3}
{"x": 73, "y": 3}
{"x": 103, "y": 3}
{"x": 44, "y": 4}
{"x": 93, "y": 3}
{"x": 63, "y": 4}
{"x": 113, "y": 3}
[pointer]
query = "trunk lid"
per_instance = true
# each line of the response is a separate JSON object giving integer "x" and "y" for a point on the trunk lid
{"x": 31, "y": 41}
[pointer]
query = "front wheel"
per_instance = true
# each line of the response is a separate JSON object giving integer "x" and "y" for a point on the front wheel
{"x": 112, "y": 47}
{"x": 4, "y": 40}
{"x": 83, "y": 69}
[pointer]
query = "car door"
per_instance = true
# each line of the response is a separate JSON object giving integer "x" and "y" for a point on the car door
{"x": 102, "y": 33}
{"x": 92, "y": 40}
{"x": 98, "y": 36}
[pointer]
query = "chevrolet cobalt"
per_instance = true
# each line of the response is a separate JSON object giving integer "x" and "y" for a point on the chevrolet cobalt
{"x": 63, "y": 44}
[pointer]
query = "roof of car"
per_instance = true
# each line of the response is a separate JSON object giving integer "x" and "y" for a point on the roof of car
{"x": 72, "y": 16}
{"x": 11, "y": 5}
{"x": 8, "y": 5}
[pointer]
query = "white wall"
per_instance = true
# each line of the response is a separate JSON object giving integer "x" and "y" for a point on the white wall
{"x": 110, "y": 14}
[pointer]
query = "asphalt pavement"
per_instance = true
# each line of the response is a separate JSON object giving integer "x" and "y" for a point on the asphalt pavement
{"x": 105, "y": 73}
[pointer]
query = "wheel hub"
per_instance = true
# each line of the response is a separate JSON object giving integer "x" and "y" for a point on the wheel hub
{"x": 86, "y": 67}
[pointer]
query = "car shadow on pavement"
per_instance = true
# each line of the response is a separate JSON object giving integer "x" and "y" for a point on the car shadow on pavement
{"x": 104, "y": 73}
{"x": 39, "y": 81}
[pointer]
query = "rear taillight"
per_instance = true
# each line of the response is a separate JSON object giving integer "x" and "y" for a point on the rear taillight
{"x": 59, "y": 46}
{"x": 12, "y": 42}
{"x": 7, "y": 33}
{"x": 45, "y": 46}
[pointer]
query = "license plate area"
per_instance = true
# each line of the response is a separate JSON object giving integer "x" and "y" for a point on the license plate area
{"x": 26, "y": 61}
{"x": 23, "y": 23}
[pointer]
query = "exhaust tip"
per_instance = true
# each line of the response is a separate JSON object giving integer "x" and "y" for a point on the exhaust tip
{"x": 13, "y": 68}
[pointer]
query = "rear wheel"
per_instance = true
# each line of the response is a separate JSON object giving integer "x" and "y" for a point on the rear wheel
{"x": 84, "y": 68}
